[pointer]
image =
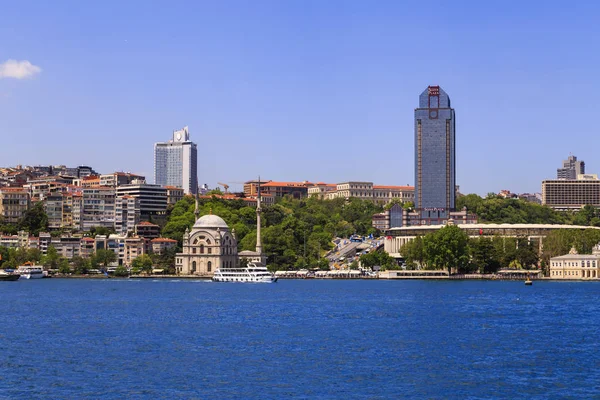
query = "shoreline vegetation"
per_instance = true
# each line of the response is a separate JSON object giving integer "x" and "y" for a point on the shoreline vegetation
{"x": 299, "y": 234}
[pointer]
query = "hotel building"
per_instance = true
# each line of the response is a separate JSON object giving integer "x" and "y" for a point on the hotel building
{"x": 176, "y": 162}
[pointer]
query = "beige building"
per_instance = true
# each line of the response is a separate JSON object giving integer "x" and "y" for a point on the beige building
{"x": 13, "y": 204}
{"x": 380, "y": 194}
{"x": 576, "y": 266}
{"x": 208, "y": 246}
{"x": 566, "y": 195}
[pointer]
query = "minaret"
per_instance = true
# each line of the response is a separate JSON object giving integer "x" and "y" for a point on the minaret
{"x": 258, "y": 210}
{"x": 197, "y": 210}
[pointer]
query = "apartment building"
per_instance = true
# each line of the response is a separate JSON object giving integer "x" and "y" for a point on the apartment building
{"x": 14, "y": 202}
{"x": 98, "y": 208}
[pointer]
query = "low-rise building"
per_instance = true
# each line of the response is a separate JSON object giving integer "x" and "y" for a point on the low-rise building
{"x": 174, "y": 194}
{"x": 160, "y": 245}
{"x": 147, "y": 230}
{"x": 576, "y": 266}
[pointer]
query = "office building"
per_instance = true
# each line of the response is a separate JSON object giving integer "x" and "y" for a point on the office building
{"x": 571, "y": 195}
{"x": 152, "y": 199}
{"x": 571, "y": 169}
{"x": 175, "y": 162}
{"x": 435, "y": 179}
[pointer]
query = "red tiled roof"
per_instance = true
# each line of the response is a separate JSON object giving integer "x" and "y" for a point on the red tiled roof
{"x": 146, "y": 223}
{"x": 163, "y": 240}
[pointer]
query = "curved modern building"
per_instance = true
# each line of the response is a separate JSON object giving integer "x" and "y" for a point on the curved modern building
{"x": 435, "y": 177}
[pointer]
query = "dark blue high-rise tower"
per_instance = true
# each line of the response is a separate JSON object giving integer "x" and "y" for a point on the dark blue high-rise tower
{"x": 435, "y": 178}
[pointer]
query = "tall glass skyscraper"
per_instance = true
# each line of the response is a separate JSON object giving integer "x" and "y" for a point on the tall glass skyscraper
{"x": 176, "y": 162}
{"x": 435, "y": 177}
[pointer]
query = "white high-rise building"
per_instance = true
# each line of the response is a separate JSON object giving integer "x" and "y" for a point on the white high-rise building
{"x": 176, "y": 162}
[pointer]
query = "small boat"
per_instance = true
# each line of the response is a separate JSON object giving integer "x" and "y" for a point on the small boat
{"x": 30, "y": 271}
{"x": 5, "y": 276}
{"x": 528, "y": 281}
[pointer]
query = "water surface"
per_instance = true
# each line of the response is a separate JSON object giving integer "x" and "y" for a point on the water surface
{"x": 299, "y": 339}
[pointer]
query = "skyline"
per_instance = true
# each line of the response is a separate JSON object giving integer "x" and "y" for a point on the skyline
{"x": 309, "y": 87}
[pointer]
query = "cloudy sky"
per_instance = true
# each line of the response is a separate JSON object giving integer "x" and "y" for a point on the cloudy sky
{"x": 300, "y": 90}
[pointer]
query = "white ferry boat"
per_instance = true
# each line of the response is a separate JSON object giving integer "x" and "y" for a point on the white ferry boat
{"x": 30, "y": 272}
{"x": 253, "y": 272}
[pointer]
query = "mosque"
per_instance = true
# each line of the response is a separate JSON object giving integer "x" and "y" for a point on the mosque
{"x": 211, "y": 245}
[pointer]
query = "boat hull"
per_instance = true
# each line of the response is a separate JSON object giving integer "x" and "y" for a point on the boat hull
{"x": 9, "y": 278}
{"x": 244, "y": 279}
{"x": 32, "y": 276}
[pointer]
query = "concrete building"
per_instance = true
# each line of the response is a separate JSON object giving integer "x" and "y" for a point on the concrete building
{"x": 435, "y": 167}
{"x": 98, "y": 208}
{"x": 119, "y": 178}
{"x": 174, "y": 194}
{"x": 127, "y": 213}
{"x": 576, "y": 266}
{"x": 175, "y": 162}
{"x": 571, "y": 168}
{"x": 160, "y": 245}
{"x": 297, "y": 190}
{"x": 152, "y": 198}
{"x": 321, "y": 189}
{"x": 14, "y": 202}
{"x": 147, "y": 230}
{"x": 53, "y": 206}
{"x": 380, "y": 194}
{"x": 571, "y": 195}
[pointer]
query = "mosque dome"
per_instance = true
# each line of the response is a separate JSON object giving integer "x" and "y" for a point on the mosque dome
{"x": 210, "y": 221}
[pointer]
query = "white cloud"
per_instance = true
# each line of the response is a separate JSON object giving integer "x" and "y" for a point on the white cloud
{"x": 18, "y": 69}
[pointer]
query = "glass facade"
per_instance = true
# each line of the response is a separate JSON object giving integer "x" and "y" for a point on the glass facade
{"x": 435, "y": 179}
{"x": 175, "y": 164}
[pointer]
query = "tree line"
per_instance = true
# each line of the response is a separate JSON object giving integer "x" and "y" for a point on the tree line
{"x": 450, "y": 248}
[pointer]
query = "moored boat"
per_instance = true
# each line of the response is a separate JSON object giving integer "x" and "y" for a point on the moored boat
{"x": 253, "y": 272}
{"x": 29, "y": 271}
{"x": 5, "y": 276}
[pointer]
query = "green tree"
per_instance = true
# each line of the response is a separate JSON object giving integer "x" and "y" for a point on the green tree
{"x": 34, "y": 220}
{"x": 63, "y": 266}
{"x": 121, "y": 271}
{"x": 378, "y": 258}
{"x": 81, "y": 265}
{"x": 484, "y": 255}
{"x": 447, "y": 249}
{"x": 52, "y": 259}
{"x": 143, "y": 263}
{"x": 104, "y": 258}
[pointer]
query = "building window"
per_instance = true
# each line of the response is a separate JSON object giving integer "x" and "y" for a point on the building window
{"x": 193, "y": 266}
{"x": 209, "y": 266}
{"x": 201, "y": 249}
{"x": 209, "y": 250}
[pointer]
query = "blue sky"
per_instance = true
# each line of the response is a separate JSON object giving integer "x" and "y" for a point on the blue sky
{"x": 302, "y": 90}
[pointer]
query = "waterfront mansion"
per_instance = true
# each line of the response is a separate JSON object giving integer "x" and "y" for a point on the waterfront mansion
{"x": 576, "y": 266}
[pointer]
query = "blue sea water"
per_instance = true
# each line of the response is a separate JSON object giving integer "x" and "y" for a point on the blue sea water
{"x": 135, "y": 339}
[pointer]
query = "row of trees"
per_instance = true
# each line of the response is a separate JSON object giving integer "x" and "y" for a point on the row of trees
{"x": 450, "y": 248}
